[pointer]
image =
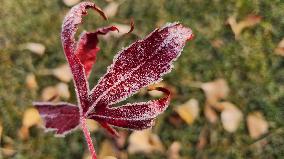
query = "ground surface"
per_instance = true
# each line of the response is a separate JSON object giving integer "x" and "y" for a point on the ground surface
{"x": 254, "y": 72}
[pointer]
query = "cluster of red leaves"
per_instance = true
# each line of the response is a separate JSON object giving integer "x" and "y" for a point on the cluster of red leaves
{"x": 139, "y": 65}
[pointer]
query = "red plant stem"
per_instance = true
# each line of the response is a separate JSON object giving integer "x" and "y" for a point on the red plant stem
{"x": 88, "y": 137}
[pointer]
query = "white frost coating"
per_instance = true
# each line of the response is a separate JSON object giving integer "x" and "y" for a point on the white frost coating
{"x": 166, "y": 42}
{"x": 168, "y": 25}
{"x": 152, "y": 111}
{"x": 53, "y": 104}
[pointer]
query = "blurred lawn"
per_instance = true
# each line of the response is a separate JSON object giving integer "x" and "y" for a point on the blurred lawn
{"x": 254, "y": 73}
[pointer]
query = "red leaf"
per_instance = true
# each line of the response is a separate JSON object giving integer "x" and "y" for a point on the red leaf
{"x": 69, "y": 28}
{"x": 133, "y": 116}
{"x": 87, "y": 47}
{"x": 139, "y": 65}
{"x": 61, "y": 117}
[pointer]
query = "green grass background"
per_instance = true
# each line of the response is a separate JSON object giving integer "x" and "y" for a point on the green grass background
{"x": 254, "y": 72}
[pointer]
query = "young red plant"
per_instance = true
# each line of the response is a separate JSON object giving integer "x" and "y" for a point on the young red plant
{"x": 142, "y": 63}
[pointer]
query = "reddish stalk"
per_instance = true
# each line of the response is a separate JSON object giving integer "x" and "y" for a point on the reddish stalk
{"x": 88, "y": 137}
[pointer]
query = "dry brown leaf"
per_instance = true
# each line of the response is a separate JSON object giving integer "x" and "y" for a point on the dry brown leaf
{"x": 188, "y": 111}
{"x": 238, "y": 27}
{"x": 111, "y": 9}
{"x": 36, "y": 48}
{"x": 92, "y": 125}
{"x": 70, "y": 2}
{"x": 280, "y": 48}
{"x": 63, "y": 73}
{"x": 173, "y": 151}
{"x": 215, "y": 90}
{"x": 107, "y": 149}
{"x": 257, "y": 125}
{"x": 210, "y": 114}
{"x": 31, "y": 81}
{"x": 144, "y": 142}
{"x": 231, "y": 117}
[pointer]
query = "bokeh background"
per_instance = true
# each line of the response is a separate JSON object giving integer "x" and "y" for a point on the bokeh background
{"x": 236, "y": 57}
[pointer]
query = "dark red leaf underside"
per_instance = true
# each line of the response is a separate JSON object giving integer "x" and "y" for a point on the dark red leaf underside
{"x": 61, "y": 117}
{"x": 88, "y": 47}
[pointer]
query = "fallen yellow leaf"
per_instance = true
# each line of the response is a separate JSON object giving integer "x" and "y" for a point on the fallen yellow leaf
{"x": 92, "y": 125}
{"x": 144, "y": 142}
{"x": 31, "y": 118}
{"x": 210, "y": 114}
{"x": 107, "y": 149}
{"x": 63, "y": 73}
{"x": 173, "y": 151}
{"x": 53, "y": 92}
{"x": 188, "y": 111}
{"x": 231, "y": 117}
{"x": 36, "y": 48}
{"x": 31, "y": 81}
{"x": 257, "y": 125}
{"x": 8, "y": 151}
{"x": 215, "y": 90}
{"x": 238, "y": 27}
{"x": 280, "y": 48}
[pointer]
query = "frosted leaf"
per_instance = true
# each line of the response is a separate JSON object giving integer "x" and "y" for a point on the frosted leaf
{"x": 141, "y": 64}
{"x": 61, "y": 117}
